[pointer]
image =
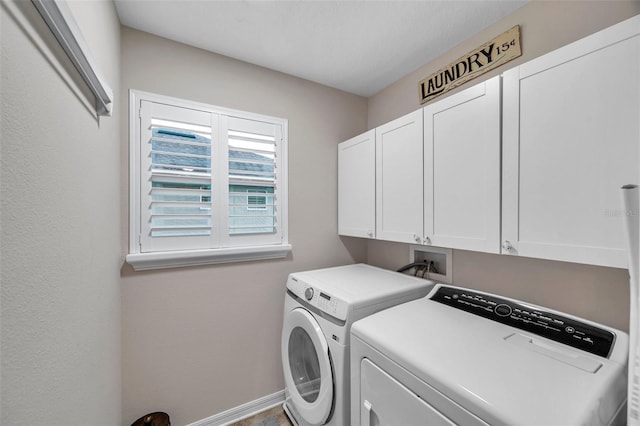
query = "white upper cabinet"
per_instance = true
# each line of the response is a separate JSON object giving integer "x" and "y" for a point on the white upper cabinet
{"x": 462, "y": 169}
{"x": 399, "y": 179}
{"x": 570, "y": 141}
{"x": 530, "y": 167}
{"x": 356, "y": 186}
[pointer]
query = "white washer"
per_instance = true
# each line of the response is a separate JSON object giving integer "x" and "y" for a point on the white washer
{"x": 320, "y": 307}
{"x": 464, "y": 357}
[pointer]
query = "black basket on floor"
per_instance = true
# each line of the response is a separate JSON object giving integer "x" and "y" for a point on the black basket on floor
{"x": 153, "y": 419}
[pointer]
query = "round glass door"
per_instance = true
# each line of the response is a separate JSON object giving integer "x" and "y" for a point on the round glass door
{"x": 304, "y": 364}
{"x": 307, "y": 368}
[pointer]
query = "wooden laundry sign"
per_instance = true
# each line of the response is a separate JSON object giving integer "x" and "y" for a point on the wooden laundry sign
{"x": 490, "y": 55}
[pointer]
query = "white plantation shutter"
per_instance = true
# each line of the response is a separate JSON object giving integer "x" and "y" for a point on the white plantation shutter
{"x": 252, "y": 167}
{"x": 207, "y": 180}
{"x": 176, "y": 203}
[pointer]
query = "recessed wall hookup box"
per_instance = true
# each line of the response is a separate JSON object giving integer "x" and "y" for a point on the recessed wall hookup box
{"x": 442, "y": 259}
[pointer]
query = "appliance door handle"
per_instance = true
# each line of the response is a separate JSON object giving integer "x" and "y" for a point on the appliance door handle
{"x": 368, "y": 408}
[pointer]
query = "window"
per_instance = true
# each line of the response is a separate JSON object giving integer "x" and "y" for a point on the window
{"x": 257, "y": 202}
{"x": 208, "y": 184}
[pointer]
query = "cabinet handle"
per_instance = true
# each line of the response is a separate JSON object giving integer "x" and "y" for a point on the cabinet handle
{"x": 417, "y": 238}
{"x": 506, "y": 246}
{"x": 370, "y": 234}
{"x": 427, "y": 240}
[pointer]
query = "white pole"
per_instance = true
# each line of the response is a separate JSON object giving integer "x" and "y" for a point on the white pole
{"x": 631, "y": 208}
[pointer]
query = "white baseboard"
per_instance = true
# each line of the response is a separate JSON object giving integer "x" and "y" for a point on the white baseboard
{"x": 242, "y": 411}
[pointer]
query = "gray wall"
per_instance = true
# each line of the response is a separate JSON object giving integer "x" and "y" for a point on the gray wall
{"x": 597, "y": 293}
{"x": 60, "y": 244}
{"x": 198, "y": 341}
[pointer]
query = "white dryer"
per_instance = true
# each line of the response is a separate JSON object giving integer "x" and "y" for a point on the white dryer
{"x": 320, "y": 307}
{"x": 465, "y": 357}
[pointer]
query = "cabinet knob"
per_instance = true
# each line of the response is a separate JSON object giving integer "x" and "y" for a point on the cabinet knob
{"x": 417, "y": 238}
{"x": 370, "y": 234}
{"x": 427, "y": 240}
{"x": 506, "y": 246}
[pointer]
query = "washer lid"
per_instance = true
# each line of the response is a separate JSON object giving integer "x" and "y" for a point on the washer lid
{"x": 535, "y": 319}
{"x": 500, "y": 373}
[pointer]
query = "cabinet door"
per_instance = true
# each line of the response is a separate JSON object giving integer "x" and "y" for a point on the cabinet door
{"x": 399, "y": 179}
{"x": 570, "y": 141}
{"x": 357, "y": 186}
{"x": 462, "y": 169}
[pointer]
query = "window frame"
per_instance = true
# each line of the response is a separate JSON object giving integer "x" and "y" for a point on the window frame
{"x": 190, "y": 257}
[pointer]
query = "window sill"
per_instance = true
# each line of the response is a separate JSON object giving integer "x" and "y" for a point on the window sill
{"x": 176, "y": 259}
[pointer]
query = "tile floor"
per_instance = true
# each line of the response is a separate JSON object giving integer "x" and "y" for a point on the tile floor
{"x": 272, "y": 417}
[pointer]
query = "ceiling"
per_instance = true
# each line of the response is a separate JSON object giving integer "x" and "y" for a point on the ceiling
{"x": 359, "y": 46}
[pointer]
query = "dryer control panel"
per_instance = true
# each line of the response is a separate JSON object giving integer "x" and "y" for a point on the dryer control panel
{"x": 531, "y": 318}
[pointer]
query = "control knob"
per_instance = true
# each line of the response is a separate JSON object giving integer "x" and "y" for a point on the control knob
{"x": 308, "y": 293}
{"x": 503, "y": 310}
